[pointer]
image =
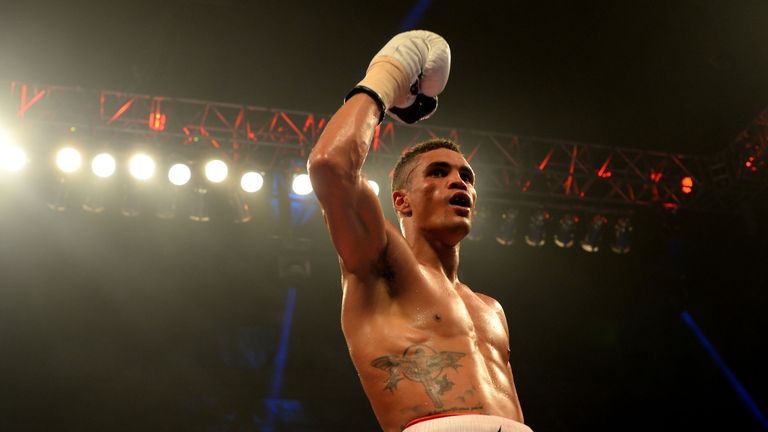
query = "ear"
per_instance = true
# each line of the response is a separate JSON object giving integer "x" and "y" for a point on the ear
{"x": 401, "y": 203}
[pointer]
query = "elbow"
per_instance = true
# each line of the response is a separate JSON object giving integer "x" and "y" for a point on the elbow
{"x": 327, "y": 173}
{"x": 336, "y": 162}
{"x": 318, "y": 162}
{"x": 321, "y": 166}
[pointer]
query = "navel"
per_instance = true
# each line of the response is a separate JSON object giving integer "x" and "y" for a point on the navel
{"x": 438, "y": 317}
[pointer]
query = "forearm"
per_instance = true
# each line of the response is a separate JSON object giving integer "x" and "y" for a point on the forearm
{"x": 346, "y": 139}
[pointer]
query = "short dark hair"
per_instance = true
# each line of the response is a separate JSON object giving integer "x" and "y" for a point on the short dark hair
{"x": 399, "y": 175}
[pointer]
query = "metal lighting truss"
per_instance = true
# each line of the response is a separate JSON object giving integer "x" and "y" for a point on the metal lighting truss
{"x": 738, "y": 174}
{"x": 511, "y": 167}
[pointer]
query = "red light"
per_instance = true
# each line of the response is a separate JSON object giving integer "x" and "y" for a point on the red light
{"x": 157, "y": 121}
{"x": 687, "y": 185}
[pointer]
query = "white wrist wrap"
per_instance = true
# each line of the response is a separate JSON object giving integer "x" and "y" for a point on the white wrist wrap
{"x": 411, "y": 63}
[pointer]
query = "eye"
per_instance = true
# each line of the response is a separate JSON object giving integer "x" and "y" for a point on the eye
{"x": 437, "y": 172}
{"x": 468, "y": 177}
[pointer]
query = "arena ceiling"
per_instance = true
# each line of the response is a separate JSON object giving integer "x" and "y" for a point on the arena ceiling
{"x": 682, "y": 76}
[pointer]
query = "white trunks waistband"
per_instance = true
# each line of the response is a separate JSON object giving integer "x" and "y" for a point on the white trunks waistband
{"x": 469, "y": 423}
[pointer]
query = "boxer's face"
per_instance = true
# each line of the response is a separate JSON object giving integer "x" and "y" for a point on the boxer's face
{"x": 440, "y": 193}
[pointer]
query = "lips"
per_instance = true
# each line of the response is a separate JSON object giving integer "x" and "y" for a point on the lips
{"x": 461, "y": 199}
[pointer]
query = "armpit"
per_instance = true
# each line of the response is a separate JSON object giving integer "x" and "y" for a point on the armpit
{"x": 383, "y": 267}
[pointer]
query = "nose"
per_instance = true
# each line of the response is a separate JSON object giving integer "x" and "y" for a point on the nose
{"x": 457, "y": 182}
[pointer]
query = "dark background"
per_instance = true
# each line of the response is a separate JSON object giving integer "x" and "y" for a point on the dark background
{"x": 108, "y": 323}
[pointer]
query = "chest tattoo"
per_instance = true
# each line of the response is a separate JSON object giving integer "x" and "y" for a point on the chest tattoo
{"x": 421, "y": 364}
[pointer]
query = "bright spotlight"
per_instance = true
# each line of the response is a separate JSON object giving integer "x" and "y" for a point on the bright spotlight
{"x": 103, "y": 165}
{"x": 252, "y": 182}
{"x": 12, "y": 158}
{"x": 142, "y": 166}
{"x": 374, "y": 186}
{"x": 179, "y": 174}
{"x": 302, "y": 185}
{"x": 68, "y": 160}
{"x": 216, "y": 171}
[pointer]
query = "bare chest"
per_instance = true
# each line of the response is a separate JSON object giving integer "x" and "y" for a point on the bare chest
{"x": 431, "y": 308}
{"x": 457, "y": 312}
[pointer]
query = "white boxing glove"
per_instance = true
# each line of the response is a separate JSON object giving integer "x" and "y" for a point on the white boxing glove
{"x": 407, "y": 74}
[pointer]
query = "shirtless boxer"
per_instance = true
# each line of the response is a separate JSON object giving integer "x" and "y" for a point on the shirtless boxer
{"x": 432, "y": 355}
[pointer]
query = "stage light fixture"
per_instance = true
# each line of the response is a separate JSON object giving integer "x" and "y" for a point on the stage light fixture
{"x": 537, "y": 229}
{"x": 131, "y": 207}
{"x": 374, "y": 186}
{"x": 301, "y": 185}
{"x": 591, "y": 242}
{"x": 216, "y": 171}
{"x": 198, "y": 210}
{"x": 61, "y": 196}
{"x": 242, "y": 211}
{"x": 252, "y": 181}
{"x": 507, "y": 230}
{"x": 479, "y": 224}
{"x": 564, "y": 237}
{"x": 142, "y": 167}
{"x": 179, "y": 174}
{"x": 68, "y": 160}
{"x": 94, "y": 199}
{"x": 622, "y": 231}
{"x": 103, "y": 165}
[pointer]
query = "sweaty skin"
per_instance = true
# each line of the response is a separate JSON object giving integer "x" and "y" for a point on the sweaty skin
{"x": 422, "y": 342}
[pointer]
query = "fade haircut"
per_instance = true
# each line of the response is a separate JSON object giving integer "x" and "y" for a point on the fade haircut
{"x": 400, "y": 174}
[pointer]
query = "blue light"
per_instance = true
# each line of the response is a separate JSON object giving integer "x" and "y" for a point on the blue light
{"x": 282, "y": 346}
{"x": 280, "y": 357}
{"x": 414, "y": 16}
{"x": 742, "y": 392}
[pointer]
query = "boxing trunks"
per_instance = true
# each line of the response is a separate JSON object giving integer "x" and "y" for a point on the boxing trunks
{"x": 465, "y": 423}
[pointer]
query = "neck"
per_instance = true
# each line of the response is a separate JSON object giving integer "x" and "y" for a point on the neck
{"x": 435, "y": 253}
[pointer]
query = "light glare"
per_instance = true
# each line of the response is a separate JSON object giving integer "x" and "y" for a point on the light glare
{"x": 216, "y": 171}
{"x": 5, "y": 139}
{"x": 103, "y": 165}
{"x": 252, "y": 182}
{"x": 374, "y": 186}
{"x": 302, "y": 185}
{"x": 142, "y": 167}
{"x": 68, "y": 160}
{"x": 12, "y": 158}
{"x": 179, "y": 174}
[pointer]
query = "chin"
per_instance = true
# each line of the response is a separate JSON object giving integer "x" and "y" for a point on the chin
{"x": 460, "y": 231}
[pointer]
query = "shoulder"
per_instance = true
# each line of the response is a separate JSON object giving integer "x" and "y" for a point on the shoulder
{"x": 490, "y": 301}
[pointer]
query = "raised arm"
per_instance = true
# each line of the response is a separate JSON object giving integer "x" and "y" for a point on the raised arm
{"x": 352, "y": 210}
